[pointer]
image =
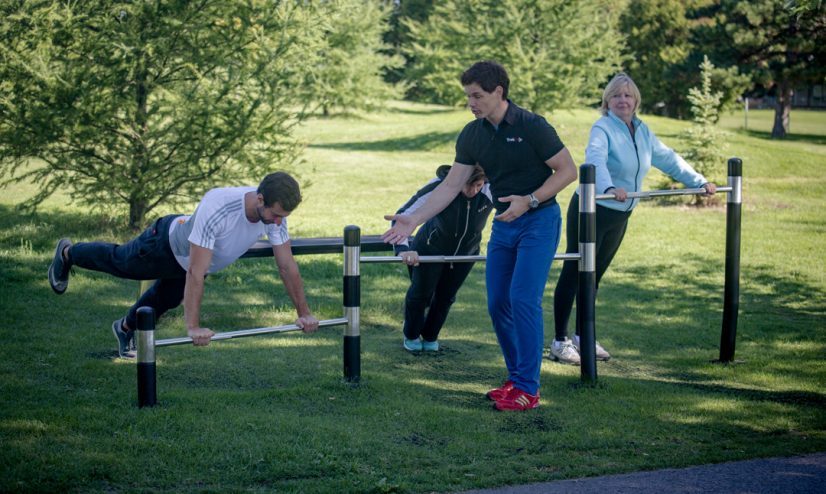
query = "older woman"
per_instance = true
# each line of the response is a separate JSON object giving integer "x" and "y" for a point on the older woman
{"x": 623, "y": 149}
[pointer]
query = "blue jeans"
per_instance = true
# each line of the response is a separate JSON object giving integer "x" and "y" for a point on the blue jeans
{"x": 146, "y": 257}
{"x": 518, "y": 261}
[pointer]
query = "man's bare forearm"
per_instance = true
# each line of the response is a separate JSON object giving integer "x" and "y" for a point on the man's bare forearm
{"x": 193, "y": 295}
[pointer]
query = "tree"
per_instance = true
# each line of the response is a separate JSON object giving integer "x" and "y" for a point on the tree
{"x": 353, "y": 59}
{"x": 781, "y": 42}
{"x": 667, "y": 39}
{"x": 398, "y": 34}
{"x": 558, "y": 53}
{"x": 704, "y": 143}
{"x": 658, "y": 45}
{"x": 141, "y": 103}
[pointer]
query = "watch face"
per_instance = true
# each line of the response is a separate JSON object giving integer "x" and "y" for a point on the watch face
{"x": 534, "y": 202}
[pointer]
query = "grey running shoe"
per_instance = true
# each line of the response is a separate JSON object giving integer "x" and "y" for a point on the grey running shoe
{"x": 125, "y": 339}
{"x": 565, "y": 352}
{"x": 133, "y": 342}
{"x": 59, "y": 269}
{"x": 601, "y": 354}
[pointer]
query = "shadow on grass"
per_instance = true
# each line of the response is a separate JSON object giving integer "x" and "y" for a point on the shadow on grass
{"x": 424, "y": 111}
{"x": 779, "y": 327}
{"x": 250, "y": 294}
{"x": 791, "y": 137}
{"x": 422, "y": 142}
{"x": 265, "y": 405}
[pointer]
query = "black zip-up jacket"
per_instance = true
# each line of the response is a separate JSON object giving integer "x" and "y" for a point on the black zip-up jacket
{"x": 457, "y": 230}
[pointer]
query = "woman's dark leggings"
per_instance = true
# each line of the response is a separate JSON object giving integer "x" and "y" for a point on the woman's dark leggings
{"x": 146, "y": 257}
{"x": 432, "y": 290}
{"x": 611, "y": 226}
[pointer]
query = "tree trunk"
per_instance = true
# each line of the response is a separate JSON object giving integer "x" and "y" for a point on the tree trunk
{"x": 782, "y": 111}
{"x": 137, "y": 214}
{"x": 137, "y": 201}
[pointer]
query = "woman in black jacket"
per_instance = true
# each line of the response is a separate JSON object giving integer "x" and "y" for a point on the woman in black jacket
{"x": 456, "y": 231}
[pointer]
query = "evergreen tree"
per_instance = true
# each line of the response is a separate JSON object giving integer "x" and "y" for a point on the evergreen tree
{"x": 558, "y": 53}
{"x": 144, "y": 103}
{"x": 398, "y": 35}
{"x": 353, "y": 59}
{"x": 782, "y": 43}
{"x": 704, "y": 139}
{"x": 666, "y": 40}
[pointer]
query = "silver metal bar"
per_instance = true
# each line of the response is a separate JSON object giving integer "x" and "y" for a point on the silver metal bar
{"x": 443, "y": 259}
{"x": 146, "y": 346}
{"x": 353, "y": 318}
{"x": 736, "y": 187}
{"x": 249, "y": 332}
{"x": 664, "y": 192}
{"x": 351, "y": 263}
{"x": 586, "y": 196}
{"x": 588, "y": 261}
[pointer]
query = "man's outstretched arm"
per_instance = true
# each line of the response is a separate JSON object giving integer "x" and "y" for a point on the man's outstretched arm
{"x": 436, "y": 202}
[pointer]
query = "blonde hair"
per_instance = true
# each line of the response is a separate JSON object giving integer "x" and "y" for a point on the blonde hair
{"x": 617, "y": 84}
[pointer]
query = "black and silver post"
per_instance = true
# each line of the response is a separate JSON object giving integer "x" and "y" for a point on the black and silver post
{"x": 352, "y": 301}
{"x": 731, "y": 296}
{"x": 147, "y": 393}
{"x": 586, "y": 294}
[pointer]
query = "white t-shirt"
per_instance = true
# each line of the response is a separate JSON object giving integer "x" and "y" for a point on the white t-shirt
{"x": 220, "y": 225}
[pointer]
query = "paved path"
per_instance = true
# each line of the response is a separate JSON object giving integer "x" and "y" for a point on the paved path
{"x": 794, "y": 475}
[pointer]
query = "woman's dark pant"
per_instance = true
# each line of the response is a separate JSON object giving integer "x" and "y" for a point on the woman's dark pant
{"x": 610, "y": 230}
{"x": 432, "y": 286}
{"x": 146, "y": 257}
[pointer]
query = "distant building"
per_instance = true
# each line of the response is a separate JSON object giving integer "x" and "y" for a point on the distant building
{"x": 809, "y": 97}
{"x": 812, "y": 96}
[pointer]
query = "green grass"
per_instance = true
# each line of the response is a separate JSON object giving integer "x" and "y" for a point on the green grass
{"x": 272, "y": 414}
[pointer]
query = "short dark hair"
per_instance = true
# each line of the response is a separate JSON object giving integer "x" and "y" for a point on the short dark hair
{"x": 280, "y": 187}
{"x": 488, "y": 74}
{"x": 477, "y": 174}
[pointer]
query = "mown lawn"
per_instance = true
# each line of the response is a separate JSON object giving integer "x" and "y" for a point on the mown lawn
{"x": 272, "y": 414}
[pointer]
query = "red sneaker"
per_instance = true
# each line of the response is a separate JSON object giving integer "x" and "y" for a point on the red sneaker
{"x": 497, "y": 394}
{"x": 518, "y": 401}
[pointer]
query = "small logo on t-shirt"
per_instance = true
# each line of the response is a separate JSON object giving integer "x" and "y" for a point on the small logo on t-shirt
{"x": 513, "y": 139}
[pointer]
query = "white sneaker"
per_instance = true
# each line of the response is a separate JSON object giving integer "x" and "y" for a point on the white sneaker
{"x": 565, "y": 352}
{"x": 601, "y": 354}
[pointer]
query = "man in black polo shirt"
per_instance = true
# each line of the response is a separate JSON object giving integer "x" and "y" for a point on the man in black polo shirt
{"x": 527, "y": 165}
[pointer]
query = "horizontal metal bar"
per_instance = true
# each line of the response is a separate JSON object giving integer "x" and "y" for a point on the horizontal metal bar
{"x": 664, "y": 192}
{"x": 249, "y": 332}
{"x": 321, "y": 245}
{"x": 444, "y": 259}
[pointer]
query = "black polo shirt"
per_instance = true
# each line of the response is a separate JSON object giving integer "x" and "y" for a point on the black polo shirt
{"x": 514, "y": 155}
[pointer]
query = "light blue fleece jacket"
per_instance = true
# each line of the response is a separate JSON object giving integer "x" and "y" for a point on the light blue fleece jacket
{"x": 623, "y": 161}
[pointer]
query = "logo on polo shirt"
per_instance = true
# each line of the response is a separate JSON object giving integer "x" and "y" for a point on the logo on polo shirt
{"x": 513, "y": 139}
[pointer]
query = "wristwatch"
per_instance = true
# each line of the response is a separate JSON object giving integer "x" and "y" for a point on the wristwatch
{"x": 534, "y": 201}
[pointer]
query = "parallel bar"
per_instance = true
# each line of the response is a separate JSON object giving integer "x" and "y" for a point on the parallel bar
{"x": 241, "y": 333}
{"x": 586, "y": 292}
{"x": 731, "y": 293}
{"x": 351, "y": 302}
{"x": 664, "y": 192}
{"x": 320, "y": 245}
{"x": 147, "y": 378}
{"x": 444, "y": 259}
